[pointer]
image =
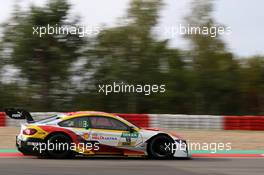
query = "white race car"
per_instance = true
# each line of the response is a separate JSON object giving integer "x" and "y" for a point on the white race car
{"x": 93, "y": 133}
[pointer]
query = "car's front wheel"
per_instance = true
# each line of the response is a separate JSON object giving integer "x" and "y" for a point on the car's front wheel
{"x": 159, "y": 147}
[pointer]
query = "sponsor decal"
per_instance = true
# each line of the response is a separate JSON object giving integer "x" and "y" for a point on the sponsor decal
{"x": 129, "y": 135}
{"x": 128, "y": 138}
{"x": 126, "y": 143}
{"x": 99, "y": 137}
{"x": 85, "y": 136}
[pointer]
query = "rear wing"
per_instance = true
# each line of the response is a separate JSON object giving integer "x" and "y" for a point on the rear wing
{"x": 19, "y": 114}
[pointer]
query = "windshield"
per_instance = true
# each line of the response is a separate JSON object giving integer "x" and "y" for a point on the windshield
{"x": 128, "y": 122}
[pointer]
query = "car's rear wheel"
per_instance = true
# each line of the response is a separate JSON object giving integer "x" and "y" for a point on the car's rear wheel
{"x": 59, "y": 146}
{"x": 160, "y": 146}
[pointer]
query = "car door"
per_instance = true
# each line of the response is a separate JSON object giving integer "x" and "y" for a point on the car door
{"x": 112, "y": 132}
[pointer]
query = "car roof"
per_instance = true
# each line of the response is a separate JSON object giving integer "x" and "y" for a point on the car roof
{"x": 69, "y": 115}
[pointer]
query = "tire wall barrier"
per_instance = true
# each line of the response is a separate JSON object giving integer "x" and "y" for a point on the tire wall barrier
{"x": 2, "y": 119}
{"x": 169, "y": 121}
{"x": 255, "y": 123}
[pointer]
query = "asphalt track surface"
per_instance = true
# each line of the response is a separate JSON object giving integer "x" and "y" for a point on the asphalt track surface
{"x": 129, "y": 166}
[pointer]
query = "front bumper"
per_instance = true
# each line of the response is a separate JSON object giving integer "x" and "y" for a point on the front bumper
{"x": 181, "y": 149}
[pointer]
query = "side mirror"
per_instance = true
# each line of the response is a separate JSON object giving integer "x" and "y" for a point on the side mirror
{"x": 131, "y": 129}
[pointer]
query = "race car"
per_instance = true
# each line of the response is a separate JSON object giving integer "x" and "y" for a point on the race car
{"x": 92, "y": 133}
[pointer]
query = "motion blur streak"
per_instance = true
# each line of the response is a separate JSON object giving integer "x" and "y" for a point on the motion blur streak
{"x": 63, "y": 71}
{"x": 132, "y": 166}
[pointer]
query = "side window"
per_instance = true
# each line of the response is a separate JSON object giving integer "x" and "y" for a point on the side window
{"x": 80, "y": 122}
{"x": 99, "y": 122}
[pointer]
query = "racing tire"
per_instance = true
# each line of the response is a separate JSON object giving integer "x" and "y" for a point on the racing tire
{"x": 59, "y": 152}
{"x": 156, "y": 147}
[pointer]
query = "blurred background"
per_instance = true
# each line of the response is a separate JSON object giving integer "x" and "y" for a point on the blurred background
{"x": 222, "y": 75}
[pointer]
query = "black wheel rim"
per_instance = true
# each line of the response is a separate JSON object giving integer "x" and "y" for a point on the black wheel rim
{"x": 160, "y": 148}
